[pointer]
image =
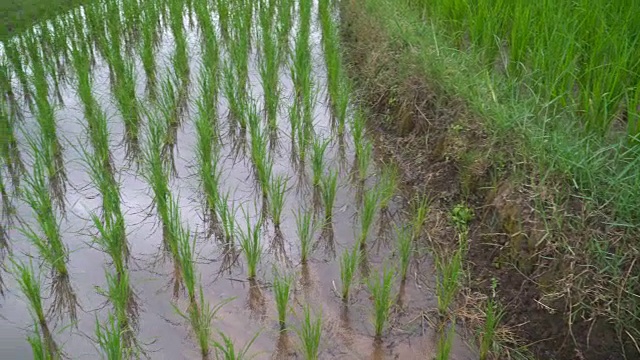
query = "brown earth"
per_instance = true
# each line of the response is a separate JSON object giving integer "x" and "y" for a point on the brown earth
{"x": 526, "y": 234}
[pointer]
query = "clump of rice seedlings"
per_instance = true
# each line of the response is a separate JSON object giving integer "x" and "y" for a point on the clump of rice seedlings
{"x": 109, "y": 341}
{"x": 420, "y": 212}
{"x": 282, "y": 292}
{"x": 269, "y": 66}
{"x": 222, "y": 7}
{"x": 48, "y": 239}
{"x": 305, "y": 230}
{"x": 130, "y": 108}
{"x": 29, "y": 283}
{"x": 284, "y": 25}
{"x": 150, "y": 19}
{"x": 380, "y": 288}
{"x": 170, "y": 108}
{"x": 348, "y": 265}
{"x": 250, "y": 244}
{"x": 445, "y": 342}
{"x": 403, "y": 234}
{"x": 317, "y": 160}
{"x": 387, "y": 185}
{"x": 277, "y": 190}
{"x": 227, "y": 216}
{"x": 368, "y": 212}
{"x": 310, "y": 333}
{"x": 329, "y": 187}
{"x": 447, "y": 280}
{"x": 226, "y": 350}
{"x": 363, "y": 156}
{"x": 357, "y": 126}
{"x": 120, "y": 295}
{"x": 493, "y": 314}
{"x": 260, "y": 155}
{"x": 341, "y": 105}
{"x": 236, "y": 98}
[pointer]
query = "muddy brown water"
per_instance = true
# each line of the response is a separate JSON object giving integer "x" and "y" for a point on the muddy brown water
{"x": 347, "y": 328}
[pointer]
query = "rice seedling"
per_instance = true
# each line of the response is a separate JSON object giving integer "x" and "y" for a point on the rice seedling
{"x": 277, "y": 190}
{"x": 39, "y": 346}
{"x": 403, "y": 235}
{"x": 493, "y": 315}
{"x": 222, "y": 8}
{"x": 250, "y": 244}
{"x": 445, "y": 342}
{"x": 109, "y": 341}
{"x": 348, "y": 265}
{"x": 447, "y": 280}
{"x": 269, "y": 66}
{"x": 310, "y": 334}
{"x": 357, "y": 125}
{"x": 29, "y": 283}
{"x": 420, "y": 213}
{"x": 48, "y": 239}
{"x": 380, "y": 288}
{"x": 329, "y": 186}
{"x": 368, "y": 212}
{"x": 121, "y": 296}
{"x": 227, "y": 217}
{"x": 282, "y": 292}
{"x": 226, "y": 350}
{"x": 305, "y": 230}
{"x": 147, "y": 53}
{"x": 260, "y": 155}
{"x": 285, "y": 18}
{"x": 387, "y": 185}
{"x": 130, "y": 109}
{"x": 317, "y": 160}
{"x": 363, "y": 156}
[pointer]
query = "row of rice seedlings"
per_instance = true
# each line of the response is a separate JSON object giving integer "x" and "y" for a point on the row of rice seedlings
{"x": 180, "y": 58}
{"x": 348, "y": 264}
{"x": 282, "y": 292}
{"x": 269, "y": 65}
{"x": 277, "y": 192}
{"x": 120, "y": 294}
{"x": 30, "y": 283}
{"x": 380, "y": 287}
{"x": 239, "y": 47}
{"x": 329, "y": 187}
{"x": 210, "y": 50}
{"x": 13, "y": 55}
{"x": 310, "y": 334}
{"x": 367, "y": 214}
{"x": 404, "y": 248}
{"x": 47, "y": 238}
{"x": 305, "y": 231}
{"x": 317, "y": 160}
{"x": 251, "y": 247}
{"x": 50, "y": 145}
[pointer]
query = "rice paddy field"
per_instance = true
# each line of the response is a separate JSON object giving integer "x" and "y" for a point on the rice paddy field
{"x": 193, "y": 179}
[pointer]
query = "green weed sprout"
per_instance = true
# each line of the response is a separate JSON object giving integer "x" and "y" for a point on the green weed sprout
{"x": 310, "y": 333}
{"x": 493, "y": 316}
{"x": 348, "y": 265}
{"x": 282, "y": 293}
{"x": 380, "y": 288}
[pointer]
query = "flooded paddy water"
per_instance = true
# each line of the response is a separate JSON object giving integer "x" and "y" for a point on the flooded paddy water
{"x": 183, "y": 93}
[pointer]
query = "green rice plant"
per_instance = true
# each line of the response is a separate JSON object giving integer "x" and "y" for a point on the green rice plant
{"x": 363, "y": 156}
{"x": 380, "y": 288}
{"x": 420, "y": 213}
{"x": 227, "y": 217}
{"x": 129, "y": 106}
{"x": 269, "y": 67}
{"x": 317, "y": 160}
{"x": 341, "y": 105}
{"x": 120, "y": 295}
{"x": 367, "y": 213}
{"x": 493, "y": 315}
{"x": 445, "y": 342}
{"x": 226, "y": 350}
{"x": 222, "y": 8}
{"x": 39, "y": 345}
{"x": 305, "y": 230}
{"x": 29, "y": 283}
{"x": 310, "y": 334}
{"x": 147, "y": 51}
{"x": 108, "y": 340}
{"x": 9, "y": 151}
{"x": 260, "y": 155}
{"x": 348, "y": 265}
{"x": 250, "y": 244}
{"x": 447, "y": 280}
{"x": 329, "y": 187}
{"x": 387, "y": 185}
{"x": 277, "y": 190}
{"x": 48, "y": 239}
{"x": 404, "y": 249}
{"x": 282, "y": 292}
{"x": 357, "y": 126}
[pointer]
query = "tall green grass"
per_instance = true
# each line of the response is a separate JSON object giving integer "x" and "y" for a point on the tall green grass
{"x": 310, "y": 334}
{"x": 380, "y": 287}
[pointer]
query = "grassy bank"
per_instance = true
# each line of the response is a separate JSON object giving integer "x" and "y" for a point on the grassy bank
{"x": 18, "y": 15}
{"x": 553, "y": 183}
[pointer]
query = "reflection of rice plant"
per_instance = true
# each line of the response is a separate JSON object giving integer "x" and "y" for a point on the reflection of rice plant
{"x": 282, "y": 292}
{"x": 49, "y": 240}
{"x": 9, "y": 151}
{"x": 310, "y": 333}
{"x": 317, "y": 160}
{"x": 305, "y": 230}
{"x": 348, "y": 265}
{"x": 277, "y": 189}
{"x": 447, "y": 281}
{"x": 404, "y": 249}
{"x": 329, "y": 186}
{"x": 250, "y": 243}
{"x": 369, "y": 208}
{"x": 30, "y": 284}
{"x": 380, "y": 288}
